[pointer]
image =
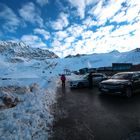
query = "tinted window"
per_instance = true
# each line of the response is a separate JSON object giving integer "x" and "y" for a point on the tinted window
{"x": 122, "y": 76}
{"x": 137, "y": 75}
{"x": 97, "y": 76}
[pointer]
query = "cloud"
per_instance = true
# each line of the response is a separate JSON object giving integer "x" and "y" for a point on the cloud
{"x": 128, "y": 14}
{"x": 70, "y": 39}
{"x": 87, "y": 34}
{"x": 89, "y": 22}
{"x": 60, "y": 35}
{"x": 76, "y": 30}
{"x": 62, "y": 49}
{"x": 42, "y": 32}
{"x": 105, "y": 39}
{"x": 11, "y": 20}
{"x": 61, "y": 22}
{"x": 96, "y": 9}
{"x": 81, "y": 6}
{"x": 104, "y": 10}
{"x": 121, "y": 39}
{"x": 33, "y": 41}
{"x": 42, "y": 2}
{"x": 31, "y": 14}
{"x": 109, "y": 11}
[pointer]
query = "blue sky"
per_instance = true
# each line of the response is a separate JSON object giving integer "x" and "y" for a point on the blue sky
{"x": 72, "y": 26}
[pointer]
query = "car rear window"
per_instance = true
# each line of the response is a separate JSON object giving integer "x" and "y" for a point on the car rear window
{"x": 122, "y": 76}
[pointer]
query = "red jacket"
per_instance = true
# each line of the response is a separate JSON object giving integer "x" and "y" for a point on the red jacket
{"x": 63, "y": 78}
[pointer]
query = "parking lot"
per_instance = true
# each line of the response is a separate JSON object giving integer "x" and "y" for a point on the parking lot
{"x": 84, "y": 114}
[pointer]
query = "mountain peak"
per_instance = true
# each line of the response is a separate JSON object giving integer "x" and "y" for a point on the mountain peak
{"x": 114, "y": 51}
{"x": 20, "y": 49}
{"x": 137, "y": 50}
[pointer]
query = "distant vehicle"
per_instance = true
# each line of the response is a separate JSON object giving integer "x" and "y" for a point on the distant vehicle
{"x": 83, "y": 81}
{"x": 125, "y": 83}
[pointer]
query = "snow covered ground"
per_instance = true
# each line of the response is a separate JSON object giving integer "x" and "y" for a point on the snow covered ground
{"x": 26, "y": 92}
{"x": 28, "y": 89}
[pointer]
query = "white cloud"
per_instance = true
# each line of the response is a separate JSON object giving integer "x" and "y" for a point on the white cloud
{"x": 123, "y": 30}
{"x": 31, "y": 14}
{"x": 60, "y": 35}
{"x": 128, "y": 14}
{"x": 81, "y": 6}
{"x": 88, "y": 22}
{"x": 56, "y": 44}
{"x": 58, "y": 48}
{"x": 87, "y": 34}
{"x": 70, "y": 39}
{"x": 42, "y": 2}
{"x": 120, "y": 39}
{"x": 42, "y": 32}
{"x": 96, "y": 9}
{"x": 101, "y": 41}
{"x": 105, "y": 30}
{"x": 33, "y": 41}
{"x": 109, "y": 11}
{"x": 105, "y": 12}
{"x": 11, "y": 21}
{"x": 62, "y": 50}
{"x": 61, "y": 22}
{"x": 76, "y": 30}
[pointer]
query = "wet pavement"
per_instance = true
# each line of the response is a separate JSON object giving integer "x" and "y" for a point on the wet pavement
{"x": 84, "y": 114}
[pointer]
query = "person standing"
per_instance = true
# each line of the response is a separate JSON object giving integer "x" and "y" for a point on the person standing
{"x": 90, "y": 80}
{"x": 63, "y": 80}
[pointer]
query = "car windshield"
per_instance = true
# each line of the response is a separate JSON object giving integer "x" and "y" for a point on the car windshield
{"x": 122, "y": 76}
{"x": 85, "y": 77}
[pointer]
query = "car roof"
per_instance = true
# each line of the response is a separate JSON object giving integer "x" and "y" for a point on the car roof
{"x": 130, "y": 72}
{"x": 98, "y": 73}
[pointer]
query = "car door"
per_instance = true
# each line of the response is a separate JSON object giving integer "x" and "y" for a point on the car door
{"x": 136, "y": 82}
{"x": 139, "y": 82}
{"x": 97, "y": 78}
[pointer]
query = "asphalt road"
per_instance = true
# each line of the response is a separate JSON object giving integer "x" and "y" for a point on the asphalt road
{"x": 84, "y": 114}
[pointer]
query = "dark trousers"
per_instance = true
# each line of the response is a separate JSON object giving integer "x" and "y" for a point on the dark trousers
{"x": 63, "y": 83}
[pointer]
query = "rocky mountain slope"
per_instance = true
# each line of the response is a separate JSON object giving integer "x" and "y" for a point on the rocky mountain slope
{"x": 12, "y": 49}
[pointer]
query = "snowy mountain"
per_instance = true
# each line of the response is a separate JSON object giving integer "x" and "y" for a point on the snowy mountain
{"x": 98, "y": 60}
{"x": 12, "y": 49}
{"x": 130, "y": 57}
{"x": 19, "y": 51}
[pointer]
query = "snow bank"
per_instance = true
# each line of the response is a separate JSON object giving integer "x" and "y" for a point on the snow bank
{"x": 31, "y": 117}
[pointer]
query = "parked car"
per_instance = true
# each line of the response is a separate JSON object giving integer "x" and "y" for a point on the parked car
{"x": 125, "y": 83}
{"x": 83, "y": 81}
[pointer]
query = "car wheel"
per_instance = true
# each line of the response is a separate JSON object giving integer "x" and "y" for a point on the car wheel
{"x": 128, "y": 92}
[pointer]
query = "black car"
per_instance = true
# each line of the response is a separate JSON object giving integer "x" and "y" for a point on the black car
{"x": 125, "y": 83}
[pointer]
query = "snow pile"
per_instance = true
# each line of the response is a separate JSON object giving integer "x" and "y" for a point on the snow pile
{"x": 30, "y": 118}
